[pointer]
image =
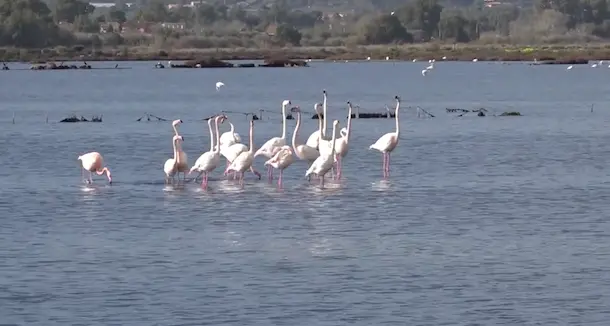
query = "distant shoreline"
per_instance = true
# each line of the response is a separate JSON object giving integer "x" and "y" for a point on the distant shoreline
{"x": 418, "y": 52}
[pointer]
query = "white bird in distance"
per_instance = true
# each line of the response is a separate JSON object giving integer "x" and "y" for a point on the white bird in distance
{"x": 219, "y": 85}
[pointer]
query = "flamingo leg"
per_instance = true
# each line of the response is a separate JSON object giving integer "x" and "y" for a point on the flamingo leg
{"x": 279, "y": 180}
{"x": 90, "y": 177}
{"x": 384, "y": 164}
{"x": 255, "y": 172}
{"x": 322, "y": 182}
{"x": 388, "y": 165}
{"x": 241, "y": 179}
{"x": 204, "y": 182}
{"x": 339, "y": 166}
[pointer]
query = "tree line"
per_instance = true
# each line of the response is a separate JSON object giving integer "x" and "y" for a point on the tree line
{"x": 35, "y": 24}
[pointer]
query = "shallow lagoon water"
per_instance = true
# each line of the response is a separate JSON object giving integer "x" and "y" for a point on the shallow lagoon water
{"x": 495, "y": 220}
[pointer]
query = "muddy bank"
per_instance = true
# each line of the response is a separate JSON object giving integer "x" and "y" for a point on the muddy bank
{"x": 411, "y": 52}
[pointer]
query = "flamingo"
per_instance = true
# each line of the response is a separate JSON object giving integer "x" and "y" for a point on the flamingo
{"x": 244, "y": 161}
{"x": 314, "y": 139}
{"x": 304, "y": 151}
{"x": 324, "y": 163}
{"x": 386, "y": 143}
{"x": 230, "y": 137}
{"x": 325, "y": 144}
{"x": 171, "y": 165}
{"x": 183, "y": 166}
{"x": 94, "y": 162}
{"x": 272, "y": 146}
{"x": 219, "y": 85}
{"x": 281, "y": 160}
{"x": 342, "y": 144}
{"x": 208, "y": 161}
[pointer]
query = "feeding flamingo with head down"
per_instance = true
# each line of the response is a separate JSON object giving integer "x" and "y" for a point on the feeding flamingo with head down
{"x": 281, "y": 160}
{"x": 387, "y": 143}
{"x": 94, "y": 162}
{"x": 273, "y": 145}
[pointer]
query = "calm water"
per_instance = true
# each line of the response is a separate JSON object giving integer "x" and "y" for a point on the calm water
{"x": 484, "y": 221}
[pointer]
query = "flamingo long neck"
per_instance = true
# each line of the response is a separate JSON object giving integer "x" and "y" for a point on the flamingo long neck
{"x": 396, "y": 114}
{"x": 296, "y": 131}
{"x": 349, "y": 122}
{"x": 325, "y": 122}
{"x": 211, "y": 134}
{"x": 176, "y": 134}
{"x": 334, "y": 137}
{"x": 176, "y": 156}
{"x": 319, "y": 122}
{"x": 102, "y": 171}
{"x": 251, "y": 137}
{"x": 217, "y": 151}
{"x": 232, "y": 128}
{"x": 283, "y": 121}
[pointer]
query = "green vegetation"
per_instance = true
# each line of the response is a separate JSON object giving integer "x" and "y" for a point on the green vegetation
{"x": 34, "y": 29}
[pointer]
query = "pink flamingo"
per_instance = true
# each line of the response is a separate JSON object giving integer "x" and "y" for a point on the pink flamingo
{"x": 281, "y": 160}
{"x": 244, "y": 161}
{"x": 94, "y": 162}
{"x": 387, "y": 143}
{"x": 342, "y": 144}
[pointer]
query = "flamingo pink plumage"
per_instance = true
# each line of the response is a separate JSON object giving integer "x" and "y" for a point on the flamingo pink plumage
{"x": 94, "y": 162}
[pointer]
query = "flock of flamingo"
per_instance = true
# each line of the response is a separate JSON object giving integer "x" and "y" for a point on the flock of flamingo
{"x": 324, "y": 153}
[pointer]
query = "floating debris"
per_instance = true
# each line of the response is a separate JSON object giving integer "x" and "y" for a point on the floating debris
{"x": 423, "y": 112}
{"x": 481, "y": 112}
{"x": 74, "y": 118}
{"x": 215, "y": 63}
{"x": 511, "y": 114}
{"x": 148, "y": 117}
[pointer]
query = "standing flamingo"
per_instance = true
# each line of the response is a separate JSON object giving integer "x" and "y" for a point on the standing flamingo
{"x": 281, "y": 160}
{"x": 171, "y": 165}
{"x": 314, "y": 139}
{"x": 325, "y": 145}
{"x": 183, "y": 166}
{"x": 342, "y": 144}
{"x": 244, "y": 161}
{"x": 386, "y": 143}
{"x": 208, "y": 161}
{"x": 230, "y": 137}
{"x": 273, "y": 145}
{"x": 94, "y": 162}
{"x": 303, "y": 152}
{"x": 324, "y": 163}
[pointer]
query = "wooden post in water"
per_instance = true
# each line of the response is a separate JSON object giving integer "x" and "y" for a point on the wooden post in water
{"x": 13, "y": 117}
